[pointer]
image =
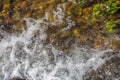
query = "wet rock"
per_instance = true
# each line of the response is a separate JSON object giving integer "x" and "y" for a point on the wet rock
{"x": 17, "y": 79}
{"x": 84, "y": 27}
{"x": 76, "y": 32}
{"x": 87, "y": 10}
{"x": 67, "y": 34}
{"x": 99, "y": 43}
{"x": 19, "y": 27}
{"x": 110, "y": 70}
{"x": 24, "y": 4}
{"x": 1, "y": 6}
{"x": 116, "y": 45}
{"x": 1, "y": 20}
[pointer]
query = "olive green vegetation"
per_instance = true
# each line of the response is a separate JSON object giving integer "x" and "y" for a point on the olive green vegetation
{"x": 112, "y": 7}
{"x": 110, "y": 25}
{"x": 96, "y": 10}
{"x": 79, "y": 7}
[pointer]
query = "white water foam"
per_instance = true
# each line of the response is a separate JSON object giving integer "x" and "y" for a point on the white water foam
{"x": 24, "y": 55}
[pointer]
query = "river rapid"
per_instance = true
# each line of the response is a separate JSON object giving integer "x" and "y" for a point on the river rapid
{"x": 25, "y": 56}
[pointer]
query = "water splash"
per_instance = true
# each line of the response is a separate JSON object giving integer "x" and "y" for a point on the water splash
{"x": 26, "y": 56}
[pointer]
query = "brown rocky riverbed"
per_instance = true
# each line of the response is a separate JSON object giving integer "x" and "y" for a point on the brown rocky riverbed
{"x": 86, "y": 22}
{"x": 89, "y": 27}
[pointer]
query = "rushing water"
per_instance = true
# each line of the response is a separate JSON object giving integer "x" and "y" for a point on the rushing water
{"x": 26, "y": 56}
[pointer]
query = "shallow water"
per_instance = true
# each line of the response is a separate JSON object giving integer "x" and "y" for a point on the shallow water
{"x": 26, "y": 56}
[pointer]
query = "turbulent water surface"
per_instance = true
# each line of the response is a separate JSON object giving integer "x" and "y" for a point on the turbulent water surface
{"x": 26, "y": 56}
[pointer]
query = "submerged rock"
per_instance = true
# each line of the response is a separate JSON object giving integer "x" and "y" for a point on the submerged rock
{"x": 110, "y": 70}
{"x": 116, "y": 45}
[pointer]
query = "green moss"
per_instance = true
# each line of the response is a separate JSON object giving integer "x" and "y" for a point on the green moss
{"x": 80, "y": 7}
{"x": 112, "y": 7}
{"x": 110, "y": 25}
{"x": 81, "y": 4}
{"x": 96, "y": 10}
